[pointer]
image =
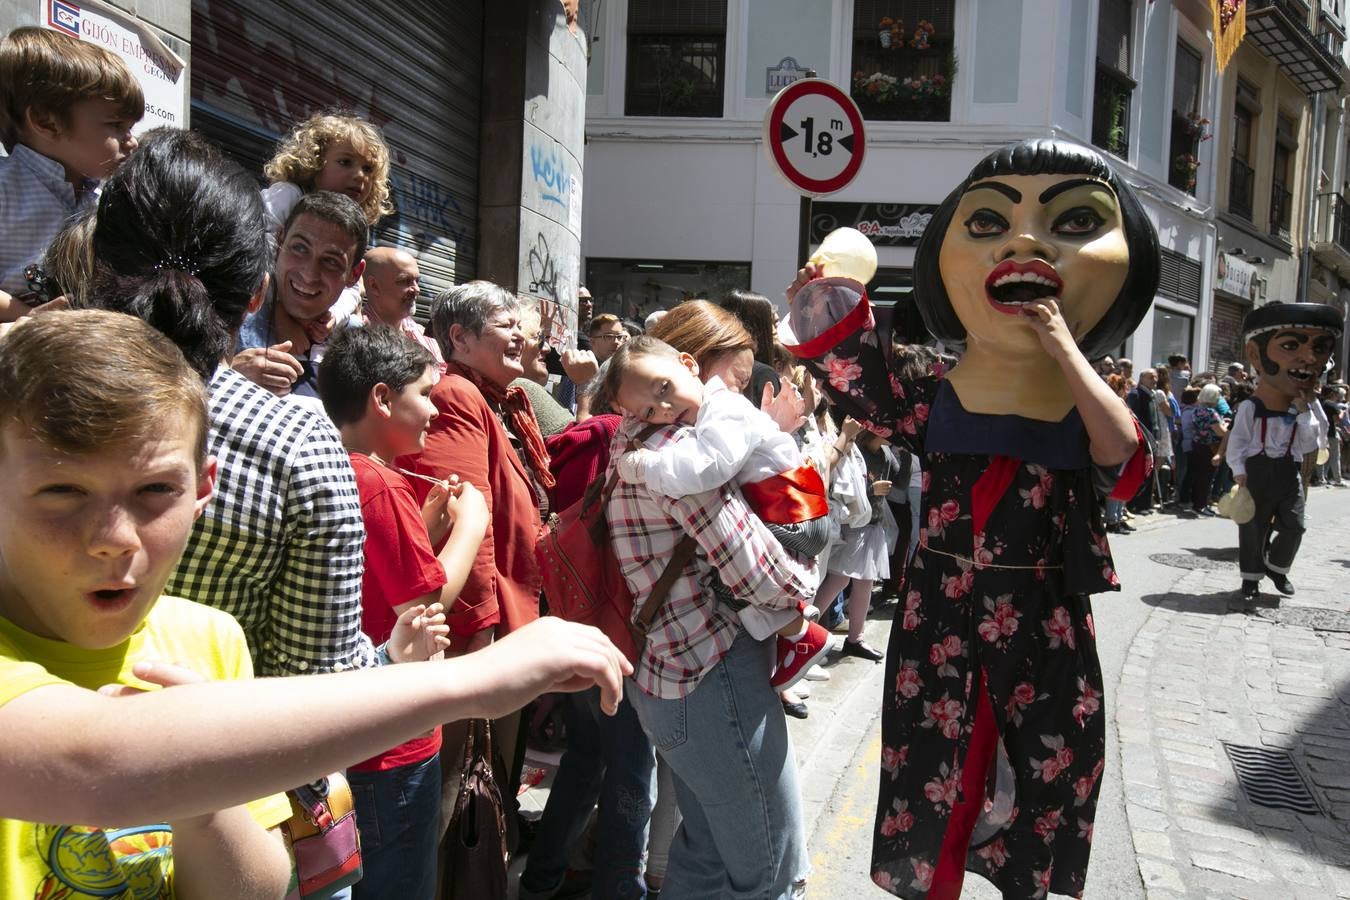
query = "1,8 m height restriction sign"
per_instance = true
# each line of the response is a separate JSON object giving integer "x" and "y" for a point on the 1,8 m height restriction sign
{"x": 814, "y": 133}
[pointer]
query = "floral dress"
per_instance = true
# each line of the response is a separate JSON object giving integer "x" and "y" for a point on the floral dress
{"x": 1011, "y": 543}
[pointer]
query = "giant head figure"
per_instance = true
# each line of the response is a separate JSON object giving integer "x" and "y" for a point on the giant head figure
{"x": 1032, "y": 219}
{"x": 1288, "y": 346}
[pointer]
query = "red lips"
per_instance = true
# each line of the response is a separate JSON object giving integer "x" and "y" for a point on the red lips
{"x": 1034, "y": 267}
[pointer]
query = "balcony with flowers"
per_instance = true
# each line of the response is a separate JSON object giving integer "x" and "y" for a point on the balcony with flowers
{"x": 903, "y": 63}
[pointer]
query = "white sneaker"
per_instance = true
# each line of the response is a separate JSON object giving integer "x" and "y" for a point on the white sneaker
{"x": 811, "y": 613}
{"x": 816, "y": 673}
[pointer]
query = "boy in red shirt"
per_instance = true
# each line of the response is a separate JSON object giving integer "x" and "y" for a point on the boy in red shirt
{"x": 375, "y": 385}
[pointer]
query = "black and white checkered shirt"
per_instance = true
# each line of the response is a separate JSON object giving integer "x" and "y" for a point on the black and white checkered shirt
{"x": 280, "y": 547}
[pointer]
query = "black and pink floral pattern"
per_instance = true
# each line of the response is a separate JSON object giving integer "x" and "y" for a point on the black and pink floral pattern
{"x": 1028, "y": 629}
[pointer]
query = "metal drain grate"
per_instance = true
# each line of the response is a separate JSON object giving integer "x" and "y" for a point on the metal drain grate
{"x": 1269, "y": 778}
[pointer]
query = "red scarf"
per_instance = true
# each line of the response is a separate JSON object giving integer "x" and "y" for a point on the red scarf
{"x": 518, "y": 416}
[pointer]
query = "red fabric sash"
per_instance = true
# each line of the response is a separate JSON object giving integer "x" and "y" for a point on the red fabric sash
{"x": 796, "y": 495}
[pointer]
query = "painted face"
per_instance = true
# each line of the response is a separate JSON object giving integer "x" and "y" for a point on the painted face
{"x": 1293, "y": 358}
{"x": 661, "y": 390}
{"x": 88, "y": 542}
{"x": 496, "y": 353}
{"x": 315, "y": 261}
{"x": 1017, "y": 238}
{"x": 345, "y": 171}
{"x": 97, "y": 140}
{"x": 734, "y": 368}
{"x": 411, "y": 412}
{"x": 392, "y": 288}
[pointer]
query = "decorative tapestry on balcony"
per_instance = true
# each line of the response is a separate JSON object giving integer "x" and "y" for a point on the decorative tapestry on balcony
{"x": 1230, "y": 25}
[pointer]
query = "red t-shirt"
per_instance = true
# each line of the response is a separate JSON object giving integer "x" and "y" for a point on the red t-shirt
{"x": 400, "y": 567}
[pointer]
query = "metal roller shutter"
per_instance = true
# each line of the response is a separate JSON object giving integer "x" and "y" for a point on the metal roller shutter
{"x": 259, "y": 68}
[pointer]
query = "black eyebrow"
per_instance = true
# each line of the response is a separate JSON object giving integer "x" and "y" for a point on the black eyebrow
{"x": 1011, "y": 193}
{"x": 1301, "y": 338}
{"x": 1055, "y": 190}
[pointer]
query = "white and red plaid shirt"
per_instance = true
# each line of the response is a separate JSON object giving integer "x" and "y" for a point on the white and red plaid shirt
{"x": 692, "y": 630}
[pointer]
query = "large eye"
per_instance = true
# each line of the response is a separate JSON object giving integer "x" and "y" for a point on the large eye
{"x": 1081, "y": 220}
{"x": 986, "y": 223}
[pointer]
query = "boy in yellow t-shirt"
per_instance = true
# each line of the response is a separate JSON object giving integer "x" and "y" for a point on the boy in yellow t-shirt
{"x": 102, "y": 436}
{"x": 102, "y": 429}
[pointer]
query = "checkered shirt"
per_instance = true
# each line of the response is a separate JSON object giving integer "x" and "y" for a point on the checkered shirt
{"x": 35, "y": 202}
{"x": 693, "y": 631}
{"x": 280, "y": 547}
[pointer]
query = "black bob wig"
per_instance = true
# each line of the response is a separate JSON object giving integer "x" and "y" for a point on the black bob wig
{"x": 1041, "y": 156}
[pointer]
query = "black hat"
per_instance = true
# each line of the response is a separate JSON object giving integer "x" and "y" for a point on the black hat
{"x": 1274, "y": 316}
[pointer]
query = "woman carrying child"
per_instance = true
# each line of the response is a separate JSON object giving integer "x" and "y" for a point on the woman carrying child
{"x": 733, "y": 771}
{"x": 992, "y": 726}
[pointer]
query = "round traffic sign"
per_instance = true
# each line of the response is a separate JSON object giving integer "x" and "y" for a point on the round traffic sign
{"x": 814, "y": 133}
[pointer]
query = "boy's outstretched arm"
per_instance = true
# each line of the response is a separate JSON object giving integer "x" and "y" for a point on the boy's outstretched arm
{"x": 72, "y": 755}
{"x": 226, "y": 853}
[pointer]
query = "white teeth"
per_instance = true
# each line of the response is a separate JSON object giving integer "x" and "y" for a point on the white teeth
{"x": 1029, "y": 277}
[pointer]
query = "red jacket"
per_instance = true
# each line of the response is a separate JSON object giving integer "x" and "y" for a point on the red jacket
{"x": 468, "y": 440}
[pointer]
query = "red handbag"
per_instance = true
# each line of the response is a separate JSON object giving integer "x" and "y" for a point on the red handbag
{"x": 581, "y": 577}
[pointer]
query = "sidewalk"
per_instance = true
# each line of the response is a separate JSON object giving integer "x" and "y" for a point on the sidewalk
{"x": 1205, "y": 669}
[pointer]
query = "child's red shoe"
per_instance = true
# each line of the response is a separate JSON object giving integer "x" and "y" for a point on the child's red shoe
{"x": 796, "y": 656}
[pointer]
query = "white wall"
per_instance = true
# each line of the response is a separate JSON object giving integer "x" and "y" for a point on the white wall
{"x": 667, "y": 200}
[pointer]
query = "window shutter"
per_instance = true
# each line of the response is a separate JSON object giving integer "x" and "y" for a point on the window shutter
{"x": 867, "y": 13}
{"x": 1180, "y": 278}
{"x": 677, "y": 17}
{"x": 1186, "y": 88}
{"x": 1113, "y": 34}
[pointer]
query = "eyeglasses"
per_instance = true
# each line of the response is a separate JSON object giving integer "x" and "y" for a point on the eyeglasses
{"x": 619, "y": 336}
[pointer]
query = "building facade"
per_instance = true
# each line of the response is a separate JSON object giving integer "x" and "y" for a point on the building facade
{"x": 482, "y": 105}
{"x": 683, "y": 199}
{"x": 1280, "y": 146}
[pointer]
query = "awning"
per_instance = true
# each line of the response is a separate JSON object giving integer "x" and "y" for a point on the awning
{"x": 1280, "y": 30}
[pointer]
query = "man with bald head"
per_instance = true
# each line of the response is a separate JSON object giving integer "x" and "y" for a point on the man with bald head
{"x": 391, "y": 286}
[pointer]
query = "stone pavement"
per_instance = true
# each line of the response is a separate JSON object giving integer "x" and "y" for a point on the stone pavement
{"x": 1206, "y": 668}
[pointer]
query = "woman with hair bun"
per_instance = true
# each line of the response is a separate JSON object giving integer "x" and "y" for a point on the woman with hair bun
{"x": 993, "y": 731}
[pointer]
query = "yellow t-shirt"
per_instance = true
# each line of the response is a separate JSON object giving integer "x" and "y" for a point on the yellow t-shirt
{"x": 73, "y": 862}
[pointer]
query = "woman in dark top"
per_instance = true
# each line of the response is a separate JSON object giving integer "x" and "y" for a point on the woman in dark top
{"x": 1040, "y": 260}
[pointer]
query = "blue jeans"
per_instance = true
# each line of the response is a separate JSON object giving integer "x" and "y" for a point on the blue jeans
{"x": 610, "y": 759}
{"x": 398, "y": 815}
{"x": 735, "y": 779}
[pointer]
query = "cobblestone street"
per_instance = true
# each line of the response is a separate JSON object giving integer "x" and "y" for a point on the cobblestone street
{"x": 1188, "y": 668}
{"x": 1207, "y": 670}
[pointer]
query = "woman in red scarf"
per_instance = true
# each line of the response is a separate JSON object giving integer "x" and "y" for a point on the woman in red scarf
{"x": 485, "y": 433}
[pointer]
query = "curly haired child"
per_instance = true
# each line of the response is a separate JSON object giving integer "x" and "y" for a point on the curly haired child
{"x": 329, "y": 152}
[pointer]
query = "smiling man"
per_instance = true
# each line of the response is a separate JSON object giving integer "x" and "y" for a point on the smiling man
{"x": 392, "y": 288}
{"x": 321, "y": 253}
{"x": 1288, "y": 345}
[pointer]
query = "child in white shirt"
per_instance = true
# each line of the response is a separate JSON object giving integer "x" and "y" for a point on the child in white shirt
{"x": 328, "y": 152}
{"x": 734, "y": 442}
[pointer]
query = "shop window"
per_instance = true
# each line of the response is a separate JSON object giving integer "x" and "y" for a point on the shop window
{"x": 1189, "y": 129}
{"x": 1241, "y": 175}
{"x": 1172, "y": 334}
{"x": 1282, "y": 175}
{"x": 677, "y": 52}
{"x": 903, "y": 61}
{"x": 634, "y": 289}
{"x": 1113, "y": 88}
{"x": 891, "y": 293}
